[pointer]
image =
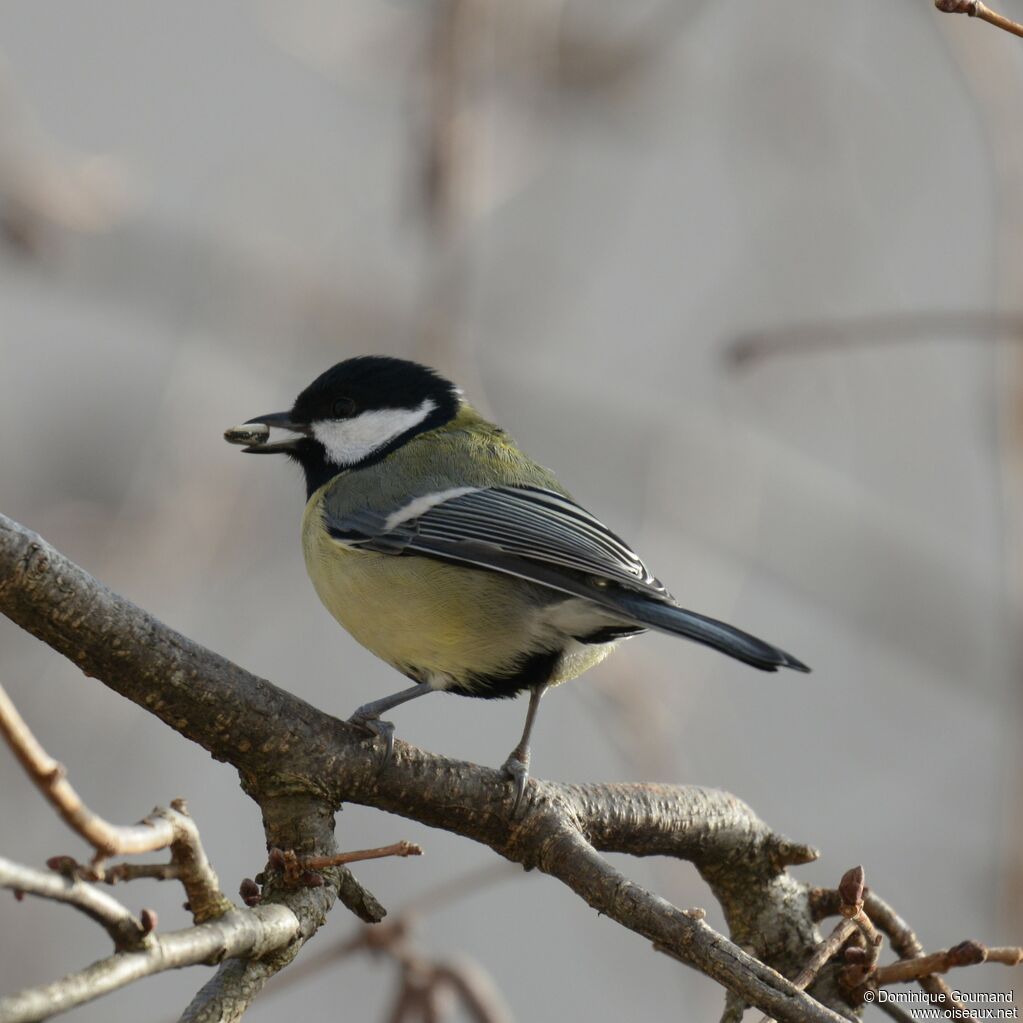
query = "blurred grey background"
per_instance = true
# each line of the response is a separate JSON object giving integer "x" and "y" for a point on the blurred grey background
{"x": 744, "y": 274}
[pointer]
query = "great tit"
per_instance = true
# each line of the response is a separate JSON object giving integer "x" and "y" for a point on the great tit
{"x": 455, "y": 557}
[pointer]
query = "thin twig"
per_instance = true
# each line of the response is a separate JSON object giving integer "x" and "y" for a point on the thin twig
{"x": 163, "y": 828}
{"x": 139, "y": 871}
{"x": 843, "y": 931}
{"x": 48, "y": 775}
{"x": 865, "y": 965}
{"x": 357, "y": 855}
{"x": 966, "y": 953}
{"x": 1008, "y": 955}
{"x": 825, "y": 902}
{"x": 249, "y": 933}
{"x": 220, "y": 933}
{"x": 850, "y": 893}
{"x": 906, "y": 945}
{"x": 122, "y": 926}
{"x": 976, "y": 9}
{"x": 305, "y": 870}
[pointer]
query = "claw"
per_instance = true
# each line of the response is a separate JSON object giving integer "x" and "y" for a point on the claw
{"x": 378, "y": 729}
{"x": 517, "y": 771}
{"x": 367, "y": 717}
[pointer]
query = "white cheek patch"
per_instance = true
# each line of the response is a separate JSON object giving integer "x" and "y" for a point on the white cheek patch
{"x": 349, "y": 441}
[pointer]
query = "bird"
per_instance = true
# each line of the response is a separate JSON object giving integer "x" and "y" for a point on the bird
{"x": 450, "y": 554}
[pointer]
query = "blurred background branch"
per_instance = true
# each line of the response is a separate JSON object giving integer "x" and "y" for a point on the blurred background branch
{"x": 976, "y": 9}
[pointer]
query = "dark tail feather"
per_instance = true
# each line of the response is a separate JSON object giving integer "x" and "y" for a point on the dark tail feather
{"x": 679, "y": 622}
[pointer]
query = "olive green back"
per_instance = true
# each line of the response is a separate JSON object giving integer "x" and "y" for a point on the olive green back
{"x": 468, "y": 451}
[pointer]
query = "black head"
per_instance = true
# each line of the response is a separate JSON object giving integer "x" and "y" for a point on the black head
{"x": 358, "y": 412}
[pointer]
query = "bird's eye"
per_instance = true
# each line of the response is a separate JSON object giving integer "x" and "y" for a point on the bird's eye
{"x": 343, "y": 408}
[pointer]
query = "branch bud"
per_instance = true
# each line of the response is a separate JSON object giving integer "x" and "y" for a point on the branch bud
{"x": 967, "y": 953}
{"x": 62, "y": 864}
{"x": 957, "y": 7}
{"x": 850, "y": 889}
{"x": 249, "y": 892}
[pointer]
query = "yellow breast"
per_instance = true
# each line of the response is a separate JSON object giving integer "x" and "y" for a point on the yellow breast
{"x": 418, "y": 614}
{"x": 430, "y": 620}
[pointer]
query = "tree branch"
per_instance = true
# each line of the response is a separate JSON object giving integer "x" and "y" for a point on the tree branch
{"x": 230, "y": 992}
{"x": 850, "y": 893}
{"x": 250, "y": 933}
{"x": 48, "y": 776}
{"x": 966, "y": 953}
{"x": 300, "y": 764}
{"x": 295, "y": 821}
{"x": 162, "y": 829}
{"x": 124, "y": 929}
{"x": 976, "y": 9}
{"x": 359, "y": 855}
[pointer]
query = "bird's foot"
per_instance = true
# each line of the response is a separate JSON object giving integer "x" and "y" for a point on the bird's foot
{"x": 373, "y": 725}
{"x": 367, "y": 717}
{"x": 516, "y": 768}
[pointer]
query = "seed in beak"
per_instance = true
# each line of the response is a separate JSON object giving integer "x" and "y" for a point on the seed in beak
{"x": 249, "y": 433}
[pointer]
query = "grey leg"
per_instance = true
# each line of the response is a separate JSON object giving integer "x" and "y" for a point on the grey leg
{"x": 517, "y": 764}
{"x": 368, "y": 715}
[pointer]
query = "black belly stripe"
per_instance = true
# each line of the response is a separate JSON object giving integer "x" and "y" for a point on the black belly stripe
{"x": 536, "y": 670}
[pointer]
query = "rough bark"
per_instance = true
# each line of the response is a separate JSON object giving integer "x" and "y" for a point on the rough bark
{"x": 300, "y": 765}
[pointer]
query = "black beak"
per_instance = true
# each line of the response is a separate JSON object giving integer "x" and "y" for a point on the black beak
{"x": 256, "y": 440}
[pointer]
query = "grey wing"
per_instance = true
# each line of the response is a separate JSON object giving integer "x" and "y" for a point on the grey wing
{"x": 528, "y": 532}
{"x": 545, "y": 538}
